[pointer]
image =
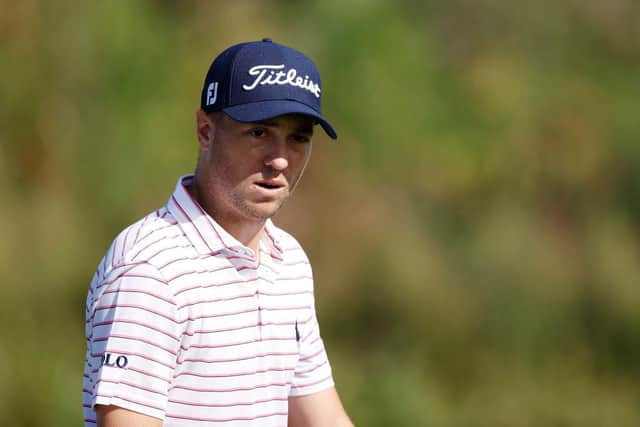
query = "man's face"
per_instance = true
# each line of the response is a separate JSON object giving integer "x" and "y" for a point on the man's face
{"x": 248, "y": 170}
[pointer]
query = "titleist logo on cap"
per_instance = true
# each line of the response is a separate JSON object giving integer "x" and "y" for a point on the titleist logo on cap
{"x": 267, "y": 75}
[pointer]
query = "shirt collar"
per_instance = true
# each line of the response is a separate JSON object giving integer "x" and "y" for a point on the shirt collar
{"x": 203, "y": 231}
{"x": 271, "y": 239}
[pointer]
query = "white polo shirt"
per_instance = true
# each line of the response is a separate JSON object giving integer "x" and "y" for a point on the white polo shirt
{"x": 184, "y": 325}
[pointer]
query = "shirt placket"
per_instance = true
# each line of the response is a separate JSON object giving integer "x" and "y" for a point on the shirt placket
{"x": 249, "y": 272}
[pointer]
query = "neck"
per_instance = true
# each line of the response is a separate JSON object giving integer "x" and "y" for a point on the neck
{"x": 247, "y": 232}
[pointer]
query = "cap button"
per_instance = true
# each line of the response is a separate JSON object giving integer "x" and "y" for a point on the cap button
{"x": 267, "y": 40}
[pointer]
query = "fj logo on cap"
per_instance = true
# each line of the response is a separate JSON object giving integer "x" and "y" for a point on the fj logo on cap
{"x": 212, "y": 93}
{"x": 267, "y": 75}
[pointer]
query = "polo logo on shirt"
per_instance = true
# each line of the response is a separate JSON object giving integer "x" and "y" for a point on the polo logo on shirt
{"x": 110, "y": 359}
{"x": 297, "y": 332}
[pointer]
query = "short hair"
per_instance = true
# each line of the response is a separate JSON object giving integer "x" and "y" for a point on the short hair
{"x": 214, "y": 115}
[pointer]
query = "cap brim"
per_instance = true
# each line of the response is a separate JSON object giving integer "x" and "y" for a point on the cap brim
{"x": 265, "y": 110}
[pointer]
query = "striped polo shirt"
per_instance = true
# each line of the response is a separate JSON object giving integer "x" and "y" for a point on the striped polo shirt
{"x": 184, "y": 325}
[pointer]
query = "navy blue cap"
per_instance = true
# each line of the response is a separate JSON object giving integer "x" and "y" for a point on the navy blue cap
{"x": 261, "y": 80}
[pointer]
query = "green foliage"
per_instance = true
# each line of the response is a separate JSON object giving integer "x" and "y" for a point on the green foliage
{"x": 474, "y": 231}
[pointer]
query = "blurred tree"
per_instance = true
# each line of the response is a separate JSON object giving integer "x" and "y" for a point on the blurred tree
{"x": 475, "y": 232}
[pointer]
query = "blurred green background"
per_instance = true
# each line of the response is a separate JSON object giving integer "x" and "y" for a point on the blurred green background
{"x": 475, "y": 232}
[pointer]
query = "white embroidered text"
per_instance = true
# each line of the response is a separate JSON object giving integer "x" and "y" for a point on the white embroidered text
{"x": 268, "y": 75}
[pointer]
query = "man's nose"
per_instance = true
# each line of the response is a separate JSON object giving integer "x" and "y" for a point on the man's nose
{"x": 277, "y": 156}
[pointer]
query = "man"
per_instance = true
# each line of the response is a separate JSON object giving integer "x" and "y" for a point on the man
{"x": 202, "y": 313}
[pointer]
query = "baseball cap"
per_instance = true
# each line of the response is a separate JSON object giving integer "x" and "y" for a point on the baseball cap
{"x": 260, "y": 80}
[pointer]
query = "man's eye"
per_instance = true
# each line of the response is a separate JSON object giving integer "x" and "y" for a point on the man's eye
{"x": 301, "y": 139}
{"x": 257, "y": 133}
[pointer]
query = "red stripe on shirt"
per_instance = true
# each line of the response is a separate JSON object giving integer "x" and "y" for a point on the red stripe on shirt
{"x": 140, "y": 307}
{"x": 232, "y": 344}
{"x": 236, "y": 359}
{"x": 312, "y": 368}
{"x": 160, "y": 239}
{"x": 246, "y": 326}
{"x": 139, "y": 323}
{"x": 162, "y": 250}
{"x": 233, "y": 374}
{"x": 135, "y": 338}
{"x": 311, "y": 356}
{"x": 155, "y": 230}
{"x": 216, "y": 284}
{"x": 229, "y": 389}
{"x": 213, "y": 270}
{"x": 141, "y": 291}
{"x": 229, "y": 405}
{"x": 313, "y": 382}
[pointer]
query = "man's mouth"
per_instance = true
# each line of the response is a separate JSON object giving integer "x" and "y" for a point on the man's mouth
{"x": 269, "y": 185}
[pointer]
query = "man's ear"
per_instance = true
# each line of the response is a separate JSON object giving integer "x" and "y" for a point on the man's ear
{"x": 205, "y": 129}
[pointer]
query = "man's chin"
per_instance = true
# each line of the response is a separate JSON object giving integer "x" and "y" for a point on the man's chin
{"x": 265, "y": 210}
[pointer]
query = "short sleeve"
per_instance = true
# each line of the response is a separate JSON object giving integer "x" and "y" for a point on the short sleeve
{"x": 133, "y": 339}
{"x": 313, "y": 371}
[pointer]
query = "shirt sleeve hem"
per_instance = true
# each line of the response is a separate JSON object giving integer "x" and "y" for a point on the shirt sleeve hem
{"x": 128, "y": 405}
{"x": 304, "y": 391}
